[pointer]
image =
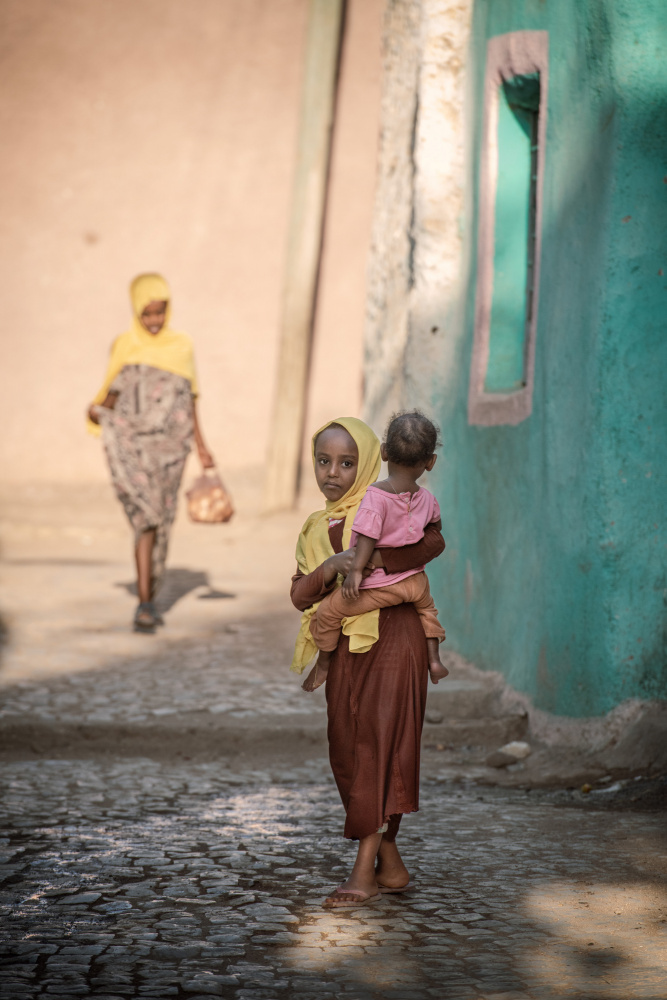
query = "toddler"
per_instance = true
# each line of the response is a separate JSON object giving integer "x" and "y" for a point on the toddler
{"x": 393, "y": 513}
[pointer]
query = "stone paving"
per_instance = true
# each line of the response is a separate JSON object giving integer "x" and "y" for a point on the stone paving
{"x": 140, "y": 879}
{"x": 197, "y": 868}
{"x": 232, "y": 674}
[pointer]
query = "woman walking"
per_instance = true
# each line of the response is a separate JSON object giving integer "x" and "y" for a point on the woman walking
{"x": 146, "y": 412}
{"x": 378, "y": 675}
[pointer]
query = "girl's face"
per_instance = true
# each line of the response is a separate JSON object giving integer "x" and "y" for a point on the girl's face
{"x": 153, "y": 317}
{"x": 336, "y": 462}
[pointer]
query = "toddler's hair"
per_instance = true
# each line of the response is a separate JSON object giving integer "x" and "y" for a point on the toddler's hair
{"x": 411, "y": 438}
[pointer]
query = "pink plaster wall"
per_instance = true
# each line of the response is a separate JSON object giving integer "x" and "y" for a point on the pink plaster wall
{"x": 155, "y": 134}
{"x": 337, "y": 362}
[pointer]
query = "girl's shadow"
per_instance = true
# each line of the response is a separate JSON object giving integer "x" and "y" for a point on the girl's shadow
{"x": 178, "y": 582}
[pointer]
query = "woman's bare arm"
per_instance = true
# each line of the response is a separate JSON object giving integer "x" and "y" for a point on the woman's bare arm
{"x": 205, "y": 457}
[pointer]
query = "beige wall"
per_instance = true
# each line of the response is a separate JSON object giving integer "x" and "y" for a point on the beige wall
{"x": 160, "y": 134}
{"x": 337, "y": 364}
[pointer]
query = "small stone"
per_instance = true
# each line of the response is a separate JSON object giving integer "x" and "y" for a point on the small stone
{"x": 208, "y": 984}
{"x": 266, "y": 910}
{"x": 511, "y": 753}
{"x": 174, "y": 952}
{"x": 35, "y": 948}
{"x": 80, "y": 898}
{"x": 117, "y": 906}
{"x": 518, "y": 749}
{"x": 82, "y": 949}
{"x": 433, "y": 716}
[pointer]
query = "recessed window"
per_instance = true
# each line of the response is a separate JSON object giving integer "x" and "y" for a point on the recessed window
{"x": 508, "y": 236}
{"x": 514, "y": 231}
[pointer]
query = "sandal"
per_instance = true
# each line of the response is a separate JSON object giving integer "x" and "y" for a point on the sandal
{"x": 363, "y": 899}
{"x": 146, "y": 618}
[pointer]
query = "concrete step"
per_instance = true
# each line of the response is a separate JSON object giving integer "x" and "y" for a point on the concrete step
{"x": 200, "y": 735}
{"x": 489, "y": 732}
{"x": 191, "y": 735}
{"x": 456, "y": 698}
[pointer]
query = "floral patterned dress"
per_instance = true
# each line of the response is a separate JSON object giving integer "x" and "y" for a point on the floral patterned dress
{"x": 147, "y": 437}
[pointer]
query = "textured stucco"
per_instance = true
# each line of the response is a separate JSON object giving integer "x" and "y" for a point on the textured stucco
{"x": 554, "y": 572}
{"x": 416, "y": 262}
{"x": 389, "y": 267}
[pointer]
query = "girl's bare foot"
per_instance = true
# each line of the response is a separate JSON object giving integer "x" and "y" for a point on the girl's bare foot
{"x": 390, "y": 872}
{"x": 361, "y": 885}
{"x": 318, "y": 674}
{"x": 354, "y": 890}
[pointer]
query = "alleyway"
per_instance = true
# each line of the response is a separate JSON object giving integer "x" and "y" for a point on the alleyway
{"x": 170, "y": 826}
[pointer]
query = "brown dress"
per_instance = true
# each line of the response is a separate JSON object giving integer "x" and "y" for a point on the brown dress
{"x": 376, "y": 700}
{"x": 147, "y": 437}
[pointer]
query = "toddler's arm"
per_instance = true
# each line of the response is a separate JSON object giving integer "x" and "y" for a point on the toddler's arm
{"x": 365, "y": 546}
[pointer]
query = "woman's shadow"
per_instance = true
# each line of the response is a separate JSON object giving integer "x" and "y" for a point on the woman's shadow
{"x": 178, "y": 582}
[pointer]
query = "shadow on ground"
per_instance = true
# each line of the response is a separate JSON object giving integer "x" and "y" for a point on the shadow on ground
{"x": 177, "y": 583}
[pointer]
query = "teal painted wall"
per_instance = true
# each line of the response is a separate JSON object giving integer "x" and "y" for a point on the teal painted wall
{"x": 555, "y": 568}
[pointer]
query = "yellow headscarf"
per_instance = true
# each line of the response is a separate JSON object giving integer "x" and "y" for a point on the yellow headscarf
{"x": 314, "y": 546}
{"x": 168, "y": 350}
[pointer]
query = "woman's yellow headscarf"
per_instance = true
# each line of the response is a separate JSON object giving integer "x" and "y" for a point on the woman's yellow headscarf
{"x": 314, "y": 546}
{"x": 168, "y": 350}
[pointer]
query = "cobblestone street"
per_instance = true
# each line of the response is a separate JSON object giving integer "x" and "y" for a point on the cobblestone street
{"x": 141, "y": 879}
{"x": 170, "y": 826}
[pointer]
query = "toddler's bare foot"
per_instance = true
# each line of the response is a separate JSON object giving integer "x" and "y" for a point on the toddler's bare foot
{"x": 318, "y": 674}
{"x": 437, "y": 670}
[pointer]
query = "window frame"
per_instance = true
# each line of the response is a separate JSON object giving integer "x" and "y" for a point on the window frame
{"x": 517, "y": 53}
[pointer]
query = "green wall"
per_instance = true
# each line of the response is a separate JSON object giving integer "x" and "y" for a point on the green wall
{"x": 555, "y": 568}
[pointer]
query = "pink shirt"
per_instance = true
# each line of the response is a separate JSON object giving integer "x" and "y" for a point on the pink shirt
{"x": 394, "y": 520}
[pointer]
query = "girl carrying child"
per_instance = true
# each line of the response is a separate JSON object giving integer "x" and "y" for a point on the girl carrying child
{"x": 394, "y": 512}
{"x": 378, "y": 673}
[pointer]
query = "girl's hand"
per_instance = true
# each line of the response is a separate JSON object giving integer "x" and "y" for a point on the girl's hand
{"x": 339, "y": 563}
{"x": 206, "y": 458}
{"x": 351, "y": 585}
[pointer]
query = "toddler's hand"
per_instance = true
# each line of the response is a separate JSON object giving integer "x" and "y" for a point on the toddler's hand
{"x": 351, "y": 585}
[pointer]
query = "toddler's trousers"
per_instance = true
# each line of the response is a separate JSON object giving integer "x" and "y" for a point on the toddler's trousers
{"x": 325, "y": 625}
